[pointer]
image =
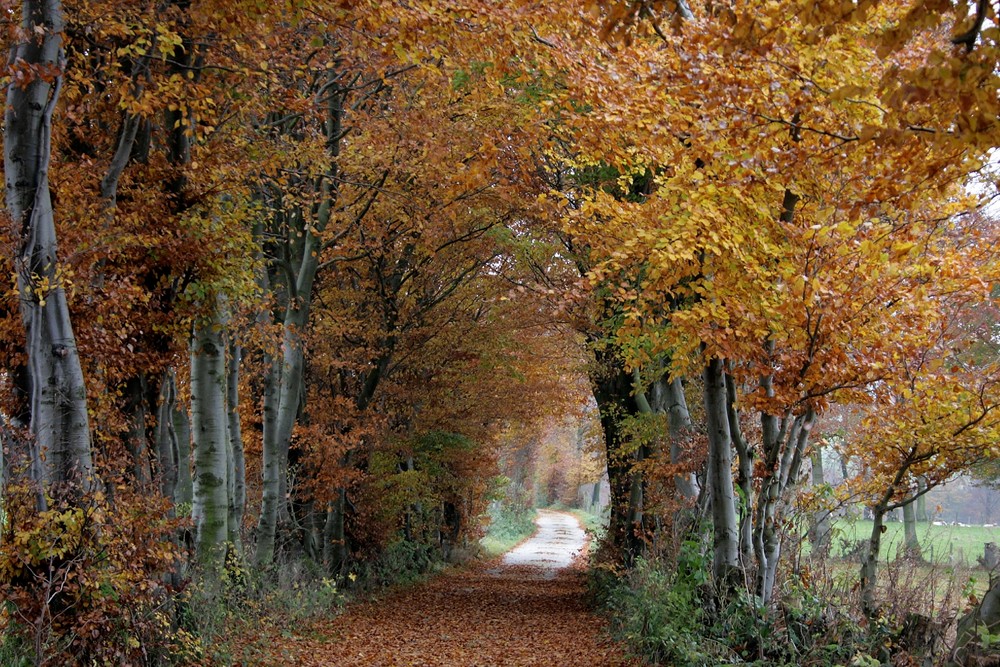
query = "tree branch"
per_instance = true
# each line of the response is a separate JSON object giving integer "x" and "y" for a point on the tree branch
{"x": 970, "y": 36}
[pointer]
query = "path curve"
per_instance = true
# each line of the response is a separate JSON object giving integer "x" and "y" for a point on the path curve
{"x": 528, "y": 609}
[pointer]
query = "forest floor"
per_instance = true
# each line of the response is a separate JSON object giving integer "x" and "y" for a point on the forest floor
{"x": 528, "y": 608}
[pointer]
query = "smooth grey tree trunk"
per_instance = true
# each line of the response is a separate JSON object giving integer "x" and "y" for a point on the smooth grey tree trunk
{"x": 784, "y": 444}
{"x": 283, "y": 402}
{"x": 725, "y": 520}
{"x": 819, "y": 531}
{"x": 744, "y": 479}
{"x": 59, "y": 421}
{"x": 680, "y": 427}
{"x": 911, "y": 543}
{"x": 211, "y": 442}
{"x": 166, "y": 438}
{"x": 238, "y": 488}
{"x": 922, "y": 499}
{"x": 282, "y": 406}
{"x": 181, "y": 421}
{"x": 271, "y": 468}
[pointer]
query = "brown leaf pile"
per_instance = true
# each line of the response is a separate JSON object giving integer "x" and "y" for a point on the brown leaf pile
{"x": 486, "y": 615}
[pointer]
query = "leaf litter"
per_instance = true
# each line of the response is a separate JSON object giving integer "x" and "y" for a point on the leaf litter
{"x": 484, "y": 615}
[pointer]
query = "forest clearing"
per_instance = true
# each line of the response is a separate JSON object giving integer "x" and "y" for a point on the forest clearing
{"x": 314, "y": 304}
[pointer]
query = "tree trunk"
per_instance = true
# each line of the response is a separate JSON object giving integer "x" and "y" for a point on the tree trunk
{"x": 680, "y": 428}
{"x": 184, "y": 493}
{"x": 335, "y": 554}
{"x": 784, "y": 443}
{"x": 744, "y": 479}
{"x": 135, "y": 435}
{"x": 612, "y": 387}
{"x": 869, "y": 568}
{"x": 59, "y": 421}
{"x": 638, "y": 518}
{"x": 166, "y": 438}
{"x": 281, "y": 406}
{"x": 725, "y": 521}
{"x": 211, "y": 443}
{"x": 922, "y": 499}
{"x": 281, "y": 399}
{"x": 911, "y": 543}
{"x": 819, "y": 531}
{"x": 238, "y": 497}
{"x": 271, "y": 469}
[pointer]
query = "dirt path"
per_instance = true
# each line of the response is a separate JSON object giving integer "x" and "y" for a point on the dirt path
{"x": 528, "y": 609}
{"x": 556, "y": 544}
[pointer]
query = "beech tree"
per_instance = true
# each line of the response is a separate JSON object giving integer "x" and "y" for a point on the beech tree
{"x": 60, "y": 427}
{"x": 762, "y": 207}
{"x": 361, "y": 242}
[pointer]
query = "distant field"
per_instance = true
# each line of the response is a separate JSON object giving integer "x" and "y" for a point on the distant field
{"x": 955, "y": 545}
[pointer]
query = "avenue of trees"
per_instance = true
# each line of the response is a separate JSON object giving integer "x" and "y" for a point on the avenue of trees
{"x": 296, "y": 281}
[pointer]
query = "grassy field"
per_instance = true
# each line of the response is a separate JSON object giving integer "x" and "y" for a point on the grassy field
{"x": 946, "y": 545}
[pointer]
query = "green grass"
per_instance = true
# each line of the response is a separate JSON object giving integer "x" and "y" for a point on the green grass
{"x": 592, "y": 523}
{"x": 506, "y": 530}
{"x": 954, "y": 545}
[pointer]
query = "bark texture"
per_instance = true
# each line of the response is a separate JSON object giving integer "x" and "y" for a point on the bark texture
{"x": 282, "y": 395}
{"x": 725, "y": 520}
{"x": 211, "y": 442}
{"x": 237, "y": 467}
{"x": 59, "y": 422}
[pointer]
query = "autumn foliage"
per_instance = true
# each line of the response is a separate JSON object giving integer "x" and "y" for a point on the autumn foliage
{"x": 338, "y": 275}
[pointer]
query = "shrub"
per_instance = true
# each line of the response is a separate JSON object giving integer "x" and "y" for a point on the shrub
{"x": 508, "y": 526}
{"x": 83, "y": 583}
{"x": 402, "y": 562}
{"x": 661, "y": 612}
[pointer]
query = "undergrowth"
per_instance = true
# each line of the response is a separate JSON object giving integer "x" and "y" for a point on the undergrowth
{"x": 401, "y": 563}
{"x": 594, "y": 524}
{"x": 290, "y": 595}
{"x": 669, "y": 614}
{"x": 507, "y": 528}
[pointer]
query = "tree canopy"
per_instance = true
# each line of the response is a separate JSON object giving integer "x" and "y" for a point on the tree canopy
{"x": 301, "y": 279}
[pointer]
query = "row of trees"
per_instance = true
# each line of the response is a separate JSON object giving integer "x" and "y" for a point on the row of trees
{"x": 773, "y": 207}
{"x": 273, "y": 302}
{"x": 769, "y": 206}
{"x": 314, "y": 257}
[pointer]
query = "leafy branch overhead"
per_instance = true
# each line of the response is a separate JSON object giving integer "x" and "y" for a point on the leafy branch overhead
{"x": 333, "y": 282}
